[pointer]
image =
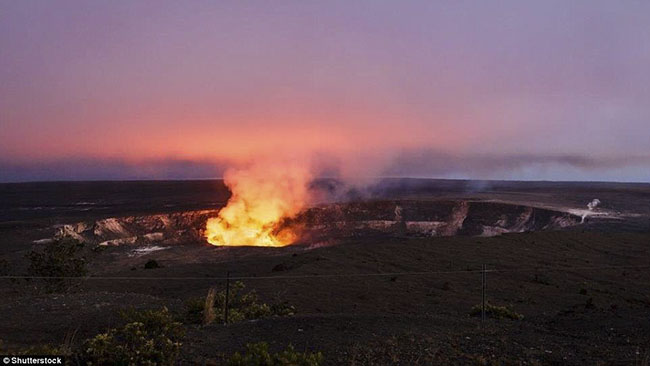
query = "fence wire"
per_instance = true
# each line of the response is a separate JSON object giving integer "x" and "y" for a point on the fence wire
{"x": 332, "y": 275}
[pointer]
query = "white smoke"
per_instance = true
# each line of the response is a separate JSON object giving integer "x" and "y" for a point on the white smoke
{"x": 593, "y": 204}
{"x": 398, "y": 213}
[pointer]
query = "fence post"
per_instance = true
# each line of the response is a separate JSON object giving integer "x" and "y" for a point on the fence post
{"x": 225, "y": 305}
{"x": 483, "y": 280}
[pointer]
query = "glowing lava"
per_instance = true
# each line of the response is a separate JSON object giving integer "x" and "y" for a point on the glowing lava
{"x": 262, "y": 196}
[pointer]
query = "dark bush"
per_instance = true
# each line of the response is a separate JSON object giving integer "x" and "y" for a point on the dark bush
{"x": 280, "y": 267}
{"x": 257, "y": 354}
{"x": 194, "y": 310}
{"x": 151, "y": 264}
{"x": 150, "y": 337}
{"x": 241, "y": 306}
{"x": 60, "y": 260}
{"x": 497, "y": 312}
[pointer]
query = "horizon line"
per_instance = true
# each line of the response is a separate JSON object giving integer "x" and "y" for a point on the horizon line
{"x": 323, "y": 177}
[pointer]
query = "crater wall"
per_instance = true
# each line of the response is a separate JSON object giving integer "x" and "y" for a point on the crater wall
{"x": 352, "y": 219}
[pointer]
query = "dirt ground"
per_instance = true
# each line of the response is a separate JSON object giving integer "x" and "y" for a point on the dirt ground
{"x": 585, "y": 297}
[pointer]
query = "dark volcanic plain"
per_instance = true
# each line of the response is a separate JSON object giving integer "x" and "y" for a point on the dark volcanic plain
{"x": 584, "y": 289}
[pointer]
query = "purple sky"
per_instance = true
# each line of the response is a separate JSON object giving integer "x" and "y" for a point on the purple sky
{"x": 556, "y": 90}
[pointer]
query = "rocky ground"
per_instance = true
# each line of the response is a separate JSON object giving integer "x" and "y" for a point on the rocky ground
{"x": 374, "y": 299}
{"x": 585, "y": 298}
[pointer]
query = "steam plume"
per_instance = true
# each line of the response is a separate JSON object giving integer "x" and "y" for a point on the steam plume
{"x": 593, "y": 204}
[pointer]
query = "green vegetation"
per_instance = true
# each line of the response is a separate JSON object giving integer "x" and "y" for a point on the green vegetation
{"x": 497, "y": 312}
{"x": 150, "y": 337}
{"x": 195, "y": 311}
{"x": 241, "y": 306}
{"x": 257, "y": 354}
{"x": 59, "y": 260}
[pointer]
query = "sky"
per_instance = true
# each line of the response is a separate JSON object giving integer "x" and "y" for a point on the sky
{"x": 533, "y": 90}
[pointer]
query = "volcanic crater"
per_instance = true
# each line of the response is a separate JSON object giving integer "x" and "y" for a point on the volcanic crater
{"x": 400, "y": 260}
{"x": 417, "y": 218}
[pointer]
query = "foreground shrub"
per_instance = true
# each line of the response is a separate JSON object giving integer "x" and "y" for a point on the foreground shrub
{"x": 497, "y": 312}
{"x": 60, "y": 259}
{"x": 195, "y": 310}
{"x": 152, "y": 264}
{"x": 241, "y": 306}
{"x": 150, "y": 337}
{"x": 257, "y": 354}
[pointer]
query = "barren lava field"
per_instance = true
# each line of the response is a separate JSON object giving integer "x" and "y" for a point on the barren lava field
{"x": 371, "y": 285}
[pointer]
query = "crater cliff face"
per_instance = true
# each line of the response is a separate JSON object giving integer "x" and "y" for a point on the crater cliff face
{"x": 164, "y": 228}
{"x": 401, "y": 218}
{"x": 428, "y": 218}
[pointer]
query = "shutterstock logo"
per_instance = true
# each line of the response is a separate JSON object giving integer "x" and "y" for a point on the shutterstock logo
{"x": 33, "y": 360}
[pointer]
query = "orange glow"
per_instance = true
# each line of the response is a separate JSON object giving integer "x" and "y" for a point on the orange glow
{"x": 262, "y": 196}
{"x": 238, "y": 134}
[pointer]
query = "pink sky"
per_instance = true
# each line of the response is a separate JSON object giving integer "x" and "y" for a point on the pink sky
{"x": 163, "y": 89}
